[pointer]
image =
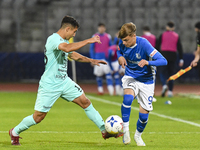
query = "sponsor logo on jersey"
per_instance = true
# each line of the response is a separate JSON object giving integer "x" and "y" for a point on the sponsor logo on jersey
{"x": 138, "y": 56}
{"x": 153, "y": 53}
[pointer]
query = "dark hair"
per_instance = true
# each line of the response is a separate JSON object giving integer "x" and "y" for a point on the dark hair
{"x": 69, "y": 20}
{"x": 101, "y": 24}
{"x": 146, "y": 28}
{"x": 197, "y": 25}
{"x": 170, "y": 24}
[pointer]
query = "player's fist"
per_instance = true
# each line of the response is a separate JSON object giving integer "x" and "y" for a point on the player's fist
{"x": 122, "y": 61}
{"x": 143, "y": 63}
{"x": 95, "y": 39}
{"x": 97, "y": 62}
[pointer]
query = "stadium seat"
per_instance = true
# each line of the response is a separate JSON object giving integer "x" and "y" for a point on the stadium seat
{"x": 196, "y": 13}
{"x": 87, "y": 23}
{"x": 186, "y": 3}
{"x": 185, "y": 25}
{"x": 87, "y": 3}
{"x": 163, "y": 3}
{"x": 174, "y": 3}
{"x": 6, "y": 3}
{"x": 124, "y": 3}
{"x": 75, "y": 3}
{"x": 163, "y": 13}
{"x": 112, "y": 24}
{"x": 36, "y": 46}
{"x": 18, "y": 3}
{"x": 139, "y": 12}
{"x": 100, "y": 4}
{"x": 88, "y": 13}
{"x": 37, "y": 34}
{"x": 196, "y": 4}
{"x": 6, "y": 13}
{"x": 111, "y": 3}
{"x": 150, "y": 3}
{"x": 187, "y": 13}
{"x": 24, "y": 46}
{"x": 30, "y": 3}
{"x": 112, "y": 13}
{"x": 136, "y": 3}
{"x": 5, "y": 25}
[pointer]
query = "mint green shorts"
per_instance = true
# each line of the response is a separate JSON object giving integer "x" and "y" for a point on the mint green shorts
{"x": 46, "y": 97}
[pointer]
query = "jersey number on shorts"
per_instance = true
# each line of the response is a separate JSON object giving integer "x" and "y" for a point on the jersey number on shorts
{"x": 79, "y": 89}
{"x": 150, "y": 99}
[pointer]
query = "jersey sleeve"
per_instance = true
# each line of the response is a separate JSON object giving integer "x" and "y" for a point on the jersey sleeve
{"x": 120, "y": 46}
{"x": 156, "y": 58}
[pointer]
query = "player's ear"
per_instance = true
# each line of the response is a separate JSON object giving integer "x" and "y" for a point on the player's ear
{"x": 67, "y": 29}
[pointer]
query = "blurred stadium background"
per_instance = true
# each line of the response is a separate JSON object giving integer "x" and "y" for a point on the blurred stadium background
{"x": 25, "y": 25}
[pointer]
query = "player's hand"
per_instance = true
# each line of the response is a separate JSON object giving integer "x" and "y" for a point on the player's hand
{"x": 95, "y": 39}
{"x": 143, "y": 63}
{"x": 122, "y": 61}
{"x": 97, "y": 62}
{"x": 194, "y": 63}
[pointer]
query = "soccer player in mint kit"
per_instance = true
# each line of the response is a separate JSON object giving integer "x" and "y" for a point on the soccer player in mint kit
{"x": 55, "y": 82}
{"x": 139, "y": 59}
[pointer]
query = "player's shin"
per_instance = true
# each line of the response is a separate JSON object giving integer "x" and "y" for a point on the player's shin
{"x": 24, "y": 125}
{"x": 94, "y": 116}
{"x": 141, "y": 123}
{"x": 109, "y": 84}
{"x": 126, "y": 110}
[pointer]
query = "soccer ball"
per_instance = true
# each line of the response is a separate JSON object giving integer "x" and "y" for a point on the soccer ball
{"x": 113, "y": 124}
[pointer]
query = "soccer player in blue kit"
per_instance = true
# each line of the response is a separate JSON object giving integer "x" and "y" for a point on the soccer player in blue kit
{"x": 139, "y": 59}
{"x": 55, "y": 82}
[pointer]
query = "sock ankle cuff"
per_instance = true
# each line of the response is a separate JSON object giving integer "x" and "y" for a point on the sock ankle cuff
{"x": 33, "y": 119}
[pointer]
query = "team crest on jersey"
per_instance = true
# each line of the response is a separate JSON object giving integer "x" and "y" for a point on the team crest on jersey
{"x": 138, "y": 56}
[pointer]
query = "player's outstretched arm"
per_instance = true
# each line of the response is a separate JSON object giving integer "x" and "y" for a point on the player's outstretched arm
{"x": 196, "y": 59}
{"x": 75, "y": 46}
{"x": 80, "y": 58}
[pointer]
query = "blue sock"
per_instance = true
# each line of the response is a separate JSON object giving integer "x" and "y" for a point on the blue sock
{"x": 109, "y": 79}
{"x": 94, "y": 116}
{"x": 117, "y": 78}
{"x": 99, "y": 81}
{"x": 24, "y": 124}
{"x": 126, "y": 107}
{"x": 142, "y": 121}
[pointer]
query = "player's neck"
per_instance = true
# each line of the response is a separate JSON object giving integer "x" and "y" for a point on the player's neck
{"x": 61, "y": 33}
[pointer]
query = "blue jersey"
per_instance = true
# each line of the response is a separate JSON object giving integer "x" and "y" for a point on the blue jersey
{"x": 133, "y": 55}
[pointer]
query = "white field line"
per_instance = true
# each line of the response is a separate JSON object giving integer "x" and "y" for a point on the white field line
{"x": 153, "y": 113}
{"x": 96, "y": 132}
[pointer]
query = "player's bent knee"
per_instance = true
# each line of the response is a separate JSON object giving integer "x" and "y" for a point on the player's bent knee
{"x": 85, "y": 103}
{"x": 39, "y": 116}
{"x": 128, "y": 99}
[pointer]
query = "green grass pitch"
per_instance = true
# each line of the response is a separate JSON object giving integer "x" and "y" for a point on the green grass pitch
{"x": 67, "y": 127}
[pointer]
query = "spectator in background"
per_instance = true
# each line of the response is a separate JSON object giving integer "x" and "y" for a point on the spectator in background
{"x": 195, "y": 62}
{"x": 169, "y": 43}
{"x": 100, "y": 51}
{"x": 116, "y": 68}
{"x": 149, "y": 36}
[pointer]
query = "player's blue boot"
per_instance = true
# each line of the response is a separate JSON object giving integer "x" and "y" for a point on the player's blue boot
{"x": 14, "y": 139}
{"x": 107, "y": 135}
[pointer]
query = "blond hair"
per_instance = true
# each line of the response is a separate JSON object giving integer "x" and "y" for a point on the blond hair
{"x": 127, "y": 29}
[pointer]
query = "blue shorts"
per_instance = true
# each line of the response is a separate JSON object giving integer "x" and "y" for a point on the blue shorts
{"x": 47, "y": 97}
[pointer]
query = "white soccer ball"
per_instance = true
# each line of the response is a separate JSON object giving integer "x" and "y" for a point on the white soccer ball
{"x": 114, "y": 124}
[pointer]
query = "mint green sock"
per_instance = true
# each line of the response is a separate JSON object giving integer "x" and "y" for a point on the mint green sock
{"x": 25, "y": 124}
{"x": 94, "y": 116}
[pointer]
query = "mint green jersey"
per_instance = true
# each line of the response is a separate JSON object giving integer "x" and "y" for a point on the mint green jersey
{"x": 55, "y": 63}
